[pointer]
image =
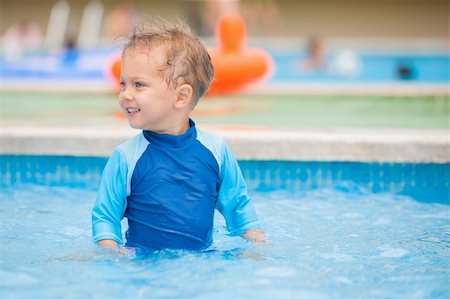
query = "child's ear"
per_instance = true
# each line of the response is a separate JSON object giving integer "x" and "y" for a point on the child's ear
{"x": 184, "y": 94}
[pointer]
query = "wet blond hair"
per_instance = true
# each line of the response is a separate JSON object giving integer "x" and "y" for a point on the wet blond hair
{"x": 187, "y": 59}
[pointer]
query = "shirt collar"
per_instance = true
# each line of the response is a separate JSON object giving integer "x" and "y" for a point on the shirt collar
{"x": 172, "y": 141}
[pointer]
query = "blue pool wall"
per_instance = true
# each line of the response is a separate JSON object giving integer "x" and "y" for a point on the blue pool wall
{"x": 425, "y": 182}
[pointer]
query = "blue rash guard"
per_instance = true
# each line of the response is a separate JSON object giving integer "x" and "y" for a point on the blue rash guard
{"x": 168, "y": 188}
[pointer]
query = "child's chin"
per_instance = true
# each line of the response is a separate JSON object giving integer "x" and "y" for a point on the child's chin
{"x": 134, "y": 126}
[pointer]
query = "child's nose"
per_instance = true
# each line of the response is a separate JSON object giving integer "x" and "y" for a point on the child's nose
{"x": 125, "y": 94}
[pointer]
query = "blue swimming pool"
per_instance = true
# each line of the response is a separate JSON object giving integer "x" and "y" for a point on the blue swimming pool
{"x": 369, "y": 68}
{"x": 337, "y": 230}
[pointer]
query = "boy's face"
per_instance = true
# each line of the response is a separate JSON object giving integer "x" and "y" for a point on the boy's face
{"x": 145, "y": 97}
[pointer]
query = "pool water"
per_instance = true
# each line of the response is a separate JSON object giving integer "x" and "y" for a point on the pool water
{"x": 339, "y": 240}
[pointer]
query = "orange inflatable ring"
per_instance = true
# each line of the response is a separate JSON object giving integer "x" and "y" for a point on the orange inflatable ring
{"x": 235, "y": 65}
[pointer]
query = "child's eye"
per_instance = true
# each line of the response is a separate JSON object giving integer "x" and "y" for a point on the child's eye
{"x": 122, "y": 83}
{"x": 139, "y": 84}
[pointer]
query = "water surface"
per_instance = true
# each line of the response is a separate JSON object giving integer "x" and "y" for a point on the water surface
{"x": 338, "y": 242}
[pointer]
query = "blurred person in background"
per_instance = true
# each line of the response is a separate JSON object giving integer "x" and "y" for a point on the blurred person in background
{"x": 22, "y": 37}
{"x": 213, "y": 10}
{"x": 263, "y": 16}
{"x": 315, "y": 59}
{"x": 121, "y": 20}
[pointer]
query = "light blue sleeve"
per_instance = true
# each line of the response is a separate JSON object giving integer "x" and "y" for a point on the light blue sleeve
{"x": 109, "y": 208}
{"x": 233, "y": 202}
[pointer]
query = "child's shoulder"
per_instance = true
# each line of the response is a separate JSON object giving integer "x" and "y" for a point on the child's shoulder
{"x": 133, "y": 146}
{"x": 214, "y": 143}
{"x": 210, "y": 138}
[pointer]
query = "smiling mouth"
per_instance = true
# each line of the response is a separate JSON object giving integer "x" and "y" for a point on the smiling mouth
{"x": 132, "y": 110}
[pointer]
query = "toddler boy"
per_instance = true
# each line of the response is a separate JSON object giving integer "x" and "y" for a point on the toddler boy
{"x": 168, "y": 180}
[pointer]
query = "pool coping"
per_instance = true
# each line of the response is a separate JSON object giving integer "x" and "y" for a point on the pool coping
{"x": 401, "y": 88}
{"x": 248, "y": 143}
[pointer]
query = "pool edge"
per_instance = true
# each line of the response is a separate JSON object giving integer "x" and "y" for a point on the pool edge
{"x": 359, "y": 145}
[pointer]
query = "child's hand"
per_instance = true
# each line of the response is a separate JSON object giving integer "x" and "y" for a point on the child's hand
{"x": 107, "y": 243}
{"x": 115, "y": 249}
{"x": 255, "y": 235}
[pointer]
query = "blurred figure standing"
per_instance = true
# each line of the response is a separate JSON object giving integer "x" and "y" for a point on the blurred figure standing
{"x": 261, "y": 16}
{"x": 121, "y": 20}
{"x": 213, "y": 10}
{"x": 22, "y": 37}
{"x": 315, "y": 59}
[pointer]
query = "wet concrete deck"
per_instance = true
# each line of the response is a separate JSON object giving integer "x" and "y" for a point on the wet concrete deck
{"x": 256, "y": 128}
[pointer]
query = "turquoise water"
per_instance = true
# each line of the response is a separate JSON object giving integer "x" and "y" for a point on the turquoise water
{"x": 325, "y": 243}
{"x": 335, "y": 230}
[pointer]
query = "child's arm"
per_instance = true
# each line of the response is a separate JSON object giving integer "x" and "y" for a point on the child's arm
{"x": 110, "y": 205}
{"x": 234, "y": 203}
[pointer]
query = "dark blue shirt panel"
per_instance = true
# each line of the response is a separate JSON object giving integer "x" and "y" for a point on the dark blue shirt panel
{"x": 174, "y": 189}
